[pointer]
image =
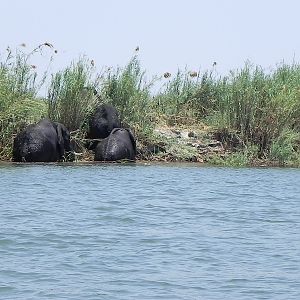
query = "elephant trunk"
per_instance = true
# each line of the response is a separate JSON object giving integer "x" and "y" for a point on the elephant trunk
{"x": 24, "y": 152}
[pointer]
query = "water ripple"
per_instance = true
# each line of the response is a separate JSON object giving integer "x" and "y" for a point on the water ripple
{"x": 148, "y": 232}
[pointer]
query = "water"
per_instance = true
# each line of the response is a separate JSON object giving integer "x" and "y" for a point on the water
{"x": 149, "y": 232}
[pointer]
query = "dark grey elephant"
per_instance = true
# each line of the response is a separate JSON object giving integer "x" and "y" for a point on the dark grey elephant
{"x": 120, "y": 144}
{"x": 103, "y": 121}
{"x": 45, "y": 141}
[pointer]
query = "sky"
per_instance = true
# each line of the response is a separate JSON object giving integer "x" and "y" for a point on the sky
{"x": 171, "y": 34}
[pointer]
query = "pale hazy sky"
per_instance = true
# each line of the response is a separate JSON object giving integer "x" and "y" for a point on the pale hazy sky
{"x": 171, "y": 34}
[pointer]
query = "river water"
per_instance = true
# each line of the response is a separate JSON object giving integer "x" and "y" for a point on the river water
{"x": 117, "y": 231}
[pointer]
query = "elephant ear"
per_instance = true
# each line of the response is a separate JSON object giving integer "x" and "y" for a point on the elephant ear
{"x": 132, "y": 138}
{"x": 114, "y": 130}
{"x": 60, "y": 139}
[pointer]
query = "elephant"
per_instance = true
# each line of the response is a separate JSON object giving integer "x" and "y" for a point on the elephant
{"x": 120, "y": 144}
{"x": 103, "y": 121}
{"x": 45, "y": 141}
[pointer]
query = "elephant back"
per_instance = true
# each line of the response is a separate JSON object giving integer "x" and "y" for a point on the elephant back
{"x": 120, "y": 144}
{"x": 41, "y": 142}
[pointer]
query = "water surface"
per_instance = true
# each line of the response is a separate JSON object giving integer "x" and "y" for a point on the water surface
{"x": 148, "y": 232}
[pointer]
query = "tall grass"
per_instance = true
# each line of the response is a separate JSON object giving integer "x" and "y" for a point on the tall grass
{"x": 19, "y": 105}
{"x": 174, "y": 97}
{"x": 129, "y": 91}
{"x": 17, "y": 79}
{"x": 75, "y": 92}
{"x": 71, "y": 95}
{"x": 190, "y": 95}
{"x": 259, "y": 109}
{"x": 259, "y": 105}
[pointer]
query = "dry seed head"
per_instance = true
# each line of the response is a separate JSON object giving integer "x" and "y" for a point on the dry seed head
{"x": 193, "y": 74}
{"x": 48, "y": 45}
{"x": 167, "y": 75}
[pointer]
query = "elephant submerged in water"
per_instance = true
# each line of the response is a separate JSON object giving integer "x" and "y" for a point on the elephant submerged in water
{"x": 45, "y": 141}
{"x": 120, "y": 144}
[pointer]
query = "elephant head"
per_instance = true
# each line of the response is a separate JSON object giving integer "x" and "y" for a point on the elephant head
{"x": 104, "y": 119}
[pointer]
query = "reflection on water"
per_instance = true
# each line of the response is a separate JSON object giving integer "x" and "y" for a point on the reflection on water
{"x": 113, "y": 231}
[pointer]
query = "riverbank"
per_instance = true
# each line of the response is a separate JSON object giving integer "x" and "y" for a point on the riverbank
{"x": 197, "y": 144}
{"x": 249, "y": 117}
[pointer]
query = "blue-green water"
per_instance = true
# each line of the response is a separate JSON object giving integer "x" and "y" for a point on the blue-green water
{"x": 149, "y": 232}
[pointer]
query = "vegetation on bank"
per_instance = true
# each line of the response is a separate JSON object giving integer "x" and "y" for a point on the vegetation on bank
{"x": 253, "y": 114}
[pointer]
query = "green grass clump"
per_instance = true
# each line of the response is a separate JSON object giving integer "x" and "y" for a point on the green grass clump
{"x": 190, "y": 95}
{"x": 176, "y": 95}
{"x": 259, "y": 106}
{"x": 128, "y": 90}
{"x": 17, "y": 79}
{"x": 242, "y": 158}
{"x": 285, "y": 148}
{"x": 19, "y": 105}
{"x": 71, "y": 95}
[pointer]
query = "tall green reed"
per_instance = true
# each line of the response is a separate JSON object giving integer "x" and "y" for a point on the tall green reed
{"x": 71, "y": 95}
{"x": 130, "y": 92}
{"x": 259, "y": 105}
{"x": 19, "y": 106}
{"x": 190, "y": 95}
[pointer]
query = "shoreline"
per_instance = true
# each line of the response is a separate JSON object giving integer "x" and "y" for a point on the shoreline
{"x": 262, "y": 165}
